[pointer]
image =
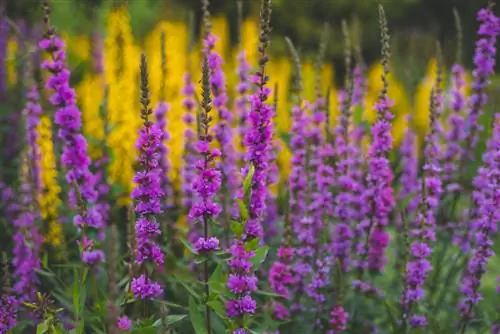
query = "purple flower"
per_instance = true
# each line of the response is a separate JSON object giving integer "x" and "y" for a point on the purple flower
{"x": 418, "y": 321}
{"x": 148, "y": 196}
{"x": 32, "y": 113}
{"x": 455, "y": 136}
{"x": 379, "y": 180}
{"x": 223, "y": 129}
{"x": 486, "y": 215}
{"x": 359, "y": 87}
{"x": 161, "y": 123}
{"x": 74, "y": 157}
{"x": 242, "y": 101}
{"x": 204, "y": 246}
{"x": 338, "y": 320}
{"x": 280, "y": 276}
{"x": 9, "y": 307}
{"x": 241, "y": 307}
{"x": 408, "y": 180}
{"x": 484, "y": 64}
{"x": 124, "y": 323}
{"x": 144, "y": 288}
{"x": 424, "y": 227}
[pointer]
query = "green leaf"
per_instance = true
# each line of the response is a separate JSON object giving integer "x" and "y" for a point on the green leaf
{"x": 260, "y": 256}
{"x": 171, "y": 319}
{"x": 243, "y": 209}
{"x": 218, "y": 307}
{"x": 252, "y": 245}
{"x": 196, "y": 318}
{"x": 45, "y": 273}
{"x": 217, "y": 276}
{"x": 237, "y": 228}
{"x": 42, "y": 328}
{"x": 188, "y": 288}
{"x": 247, "y": 183}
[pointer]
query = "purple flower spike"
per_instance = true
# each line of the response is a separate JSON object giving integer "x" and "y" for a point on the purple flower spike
{"x": 424, "y": 227}
{"x": 9, "y": 307}
{"x": 455, "y": 136}
{"x": 148, "y": 196}
{"x": 74, "y": 158}
{"x": 484, "y": 66}
{"x": 486, "y": 216}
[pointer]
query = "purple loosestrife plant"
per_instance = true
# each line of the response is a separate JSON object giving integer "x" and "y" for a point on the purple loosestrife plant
{"x": 223, "y": 130}
{"x": 455, "y": 135}
{"x": 160, "y": 114}
{"x": 242, "y": 101}
{"x": 74, "y": 157}
{"x": 258, "y": 139}
{"x": 484, "y": 66}
{"x": 281, "y": 278}
{"x": 424, "y": 231}
{"x": 32, "y": 113}
{"x": 209, "y": 178}
{"x": 242, "y": 280}
{"x": 189, "y": 157}
{"x": 9, "y": 307}
{"x": 408, "y": 180}
{"x": 380, "y": 175}
{"x": 147, "y": 195}
{"x": 486, "y": 196}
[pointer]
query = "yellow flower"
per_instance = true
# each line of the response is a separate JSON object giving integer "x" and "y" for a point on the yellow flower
{"x": 90, "y": 96}
{"x": 121, "y": 66}
{"x": 11, "y": 61}
{"x": 176, "y": 34}
{"x": 49, "y": 200}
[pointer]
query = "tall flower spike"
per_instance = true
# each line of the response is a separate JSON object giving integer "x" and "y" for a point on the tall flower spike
{"x": 74, "y": 157}
{"x": 380, "y": 175}
{"x": 424, "y": 229}
{"x": 300, "y": 219}
{"x": 223, "y": 131}
{"x": 161, "y": 123}
{"x": 147, "y": 195}
{"x": 189, "y": 156}
{"x": 484, "y": 225}
{"x": 259, "y": 136}
{"x": 359, "y": 80}
{"x": 484, "y": 66}
{"x": 455, "y": 135}
{"x": 208, "y": 182}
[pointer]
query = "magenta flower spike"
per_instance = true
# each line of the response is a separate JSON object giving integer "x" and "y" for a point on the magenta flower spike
{"x": 484, "y": 67}
{"x": 147, "y": 195}
{"x": 485, "y": 218}
{"x": 74, "y": 158}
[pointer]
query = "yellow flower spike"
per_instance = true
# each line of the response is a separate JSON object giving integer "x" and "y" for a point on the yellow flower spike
{"x": 11, "y": 61}
{"x": 90, "y": 97}
{"x": 250, "y": 39}
{"x": 121, "y": 59}
{"x": 308, "y": 78}
{"x": 220, "y": 28}
{"x": 399, "y": 126}
{"x": 176, "y": 36}
{"x": 422, "y": 98}
{"x": 49, "y": 200}
{"x": 280, "y": 71}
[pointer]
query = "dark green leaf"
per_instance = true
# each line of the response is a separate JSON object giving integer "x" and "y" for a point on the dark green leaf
{"x": 196, "y": 317}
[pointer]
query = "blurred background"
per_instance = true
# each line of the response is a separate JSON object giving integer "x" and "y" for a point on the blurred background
{"x": 105, "y": 38}
{"x": 415, "y": 24}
